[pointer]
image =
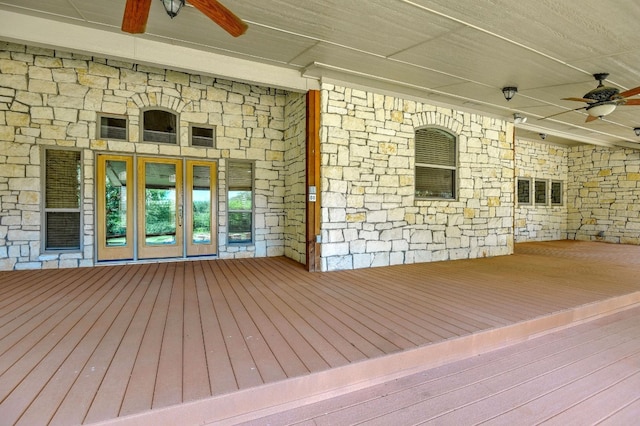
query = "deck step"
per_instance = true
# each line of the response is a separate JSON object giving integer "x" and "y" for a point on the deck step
{"x": 268, "y": 399}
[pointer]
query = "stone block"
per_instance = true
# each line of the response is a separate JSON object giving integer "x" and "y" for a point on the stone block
{"x": 41, "y": 86}
{"x": 18, "y": 235}
{"x": 18, "y": 82}
{"x": 7, "y": 133}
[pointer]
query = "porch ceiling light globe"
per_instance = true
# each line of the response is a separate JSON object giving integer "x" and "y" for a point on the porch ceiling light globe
{"x": 509, "y": 92}
{"x": 172, "y": 7}
{"x": 600, "y": 110}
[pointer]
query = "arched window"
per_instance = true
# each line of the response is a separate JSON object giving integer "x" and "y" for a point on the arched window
{"x": 436, "y": 164}
{"x": 159, "y": 126}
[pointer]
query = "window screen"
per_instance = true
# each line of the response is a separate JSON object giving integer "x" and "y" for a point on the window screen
{"x": 435, "y": 174}
{"x": 62, "y": 199}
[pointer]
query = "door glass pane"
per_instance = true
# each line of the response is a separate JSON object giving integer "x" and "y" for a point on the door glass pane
{"x": 116, "y": 202}
{"x": 201, "y": 197}
{"x": 160, "y": 203}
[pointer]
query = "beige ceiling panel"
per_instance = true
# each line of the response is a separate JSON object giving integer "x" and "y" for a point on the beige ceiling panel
{"x": 42, "y": 7}
{"x": 381, "y": 27}
{"x": 622, "y": 68}
{"x": 567, "y": 30}
{"x": 465, "y": 54}
{"x": 193, "y": 29}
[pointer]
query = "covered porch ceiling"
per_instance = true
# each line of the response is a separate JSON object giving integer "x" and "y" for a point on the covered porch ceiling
{"x": 457, "y": 54}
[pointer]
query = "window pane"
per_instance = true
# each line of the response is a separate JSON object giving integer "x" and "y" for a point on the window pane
{"x": 63, "y": 230}
{"x": 159, "y": 126}
{"x": 240, "y": 176}
{"x": 239, "y": 200}
{"x": 524, "y": 191}
{"x": 201, "y": 196}
{"x": 435, "y": 147}
{"x": 160, "y": 203}
{"x": 62, "y": 173}
{"x": 540, "y": 191}
{"x": 113, "y": 128}
{"x": 435, "y": 183}
{"x": 239, "y": 227}
{"x": 556, "y": 192}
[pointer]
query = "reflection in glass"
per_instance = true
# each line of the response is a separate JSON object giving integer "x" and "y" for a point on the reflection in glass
{"x": 240, "y": 215}
{"x": 160, "y": 204}
{"x": 116, "y": 203}
{"x": 201, "y": 196}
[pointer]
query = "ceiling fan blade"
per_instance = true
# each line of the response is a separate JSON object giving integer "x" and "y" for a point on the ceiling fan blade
{"x": 579, "y": 100}
{"x": 630, "y": 92}
{"x": 591, "y": 118}
{"x": 221, "y": 15}
{"x": 562, "y": 112}
{"x": 631, "y": 102}
{"x": 135, "y": 16}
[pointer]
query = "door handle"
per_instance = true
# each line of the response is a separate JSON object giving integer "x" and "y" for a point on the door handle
{"x": 180, "y": 215}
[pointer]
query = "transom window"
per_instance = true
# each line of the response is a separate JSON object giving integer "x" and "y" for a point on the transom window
{"x": 159, "y": 126}
{"x": 112, "y": 127}
{"x": 203, "y": 136}
{"x": 435, "y": 162}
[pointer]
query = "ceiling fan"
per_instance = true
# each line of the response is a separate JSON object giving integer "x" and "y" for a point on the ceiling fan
{"x": 136, "y": 13}
{"x": 603, "y": 100}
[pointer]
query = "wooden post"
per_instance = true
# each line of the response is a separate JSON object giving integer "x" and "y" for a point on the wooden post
{"x": 313, "y": 180}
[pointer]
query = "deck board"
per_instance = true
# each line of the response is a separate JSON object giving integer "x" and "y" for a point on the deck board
{"x": 93, "y": 344}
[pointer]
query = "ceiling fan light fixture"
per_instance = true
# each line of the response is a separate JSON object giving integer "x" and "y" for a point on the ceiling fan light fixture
{"x": 519, "y": 118}
{"x": 172, "y": 7}
{"x": 636, "y": 130}
{"x": 509, "y": 92}
{"x": 600, "y": 110}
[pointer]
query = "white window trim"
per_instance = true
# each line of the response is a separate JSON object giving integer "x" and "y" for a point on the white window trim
{"x": 455, "y": 168}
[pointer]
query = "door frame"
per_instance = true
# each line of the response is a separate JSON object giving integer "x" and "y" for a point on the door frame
{"x": 106, "y": 252}
{"x": 201, "y": 249}
{"x": 150, "y": 251}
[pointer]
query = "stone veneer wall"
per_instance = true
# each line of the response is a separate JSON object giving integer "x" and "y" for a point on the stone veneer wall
{"x": 52, "y": 98}
{"x": 604, "y": 194}
{"x": 295, "y": 138}
{"x": 540, "y": 160}
{"x": 369, "y": 214}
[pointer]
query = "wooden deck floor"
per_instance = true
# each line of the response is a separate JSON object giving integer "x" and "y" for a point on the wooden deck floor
{"x": 109, "y": 344}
